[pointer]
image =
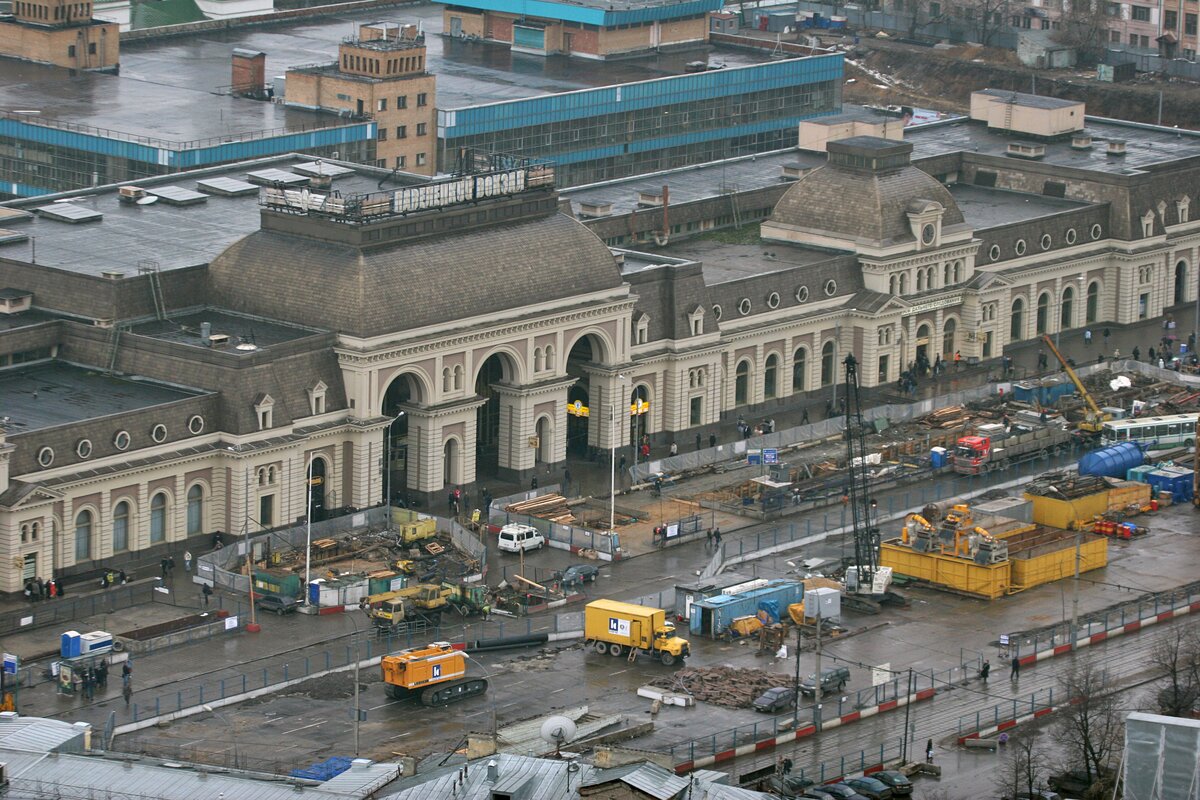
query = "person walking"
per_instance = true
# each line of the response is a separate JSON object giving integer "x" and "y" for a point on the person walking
{"x": 699, "y": 441}
{"x": 126, "y": 672}
{"x": 1152, "y": 353}
{"x": 712, "y": 440}
{"x": 207, "y": 593}
{"x": 1106, "y": 334}
{"x": 127, "y": 693}
{"x": 674, "y": 449}
{"x": 1016, "y": 668}
{"x": 717, "y": 536}
{"x": 102, "y": 675}
{"x": 984, "y": 670}
{"x": 187, "y": 560}
{"x": 1087, "y": 337}
{"x": 1137, "y": 353}
{"x": 804, "y": 417}
{"x": 1161, "y": 363}
{"x": 709, "y": 537}
{"x": 929, "y": 752}
{"x": 533, "y": 483}
{"x": 487, "y": 501}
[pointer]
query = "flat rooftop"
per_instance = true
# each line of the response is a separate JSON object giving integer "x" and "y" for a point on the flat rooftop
{"x": 239, "y": 328}
{"x": 59, "y": 393}
{"x": 169, "y": 236}
{"x": 169, "y": 89}
{"x": 723, "y": 262}
{"x": 985, "y": 208}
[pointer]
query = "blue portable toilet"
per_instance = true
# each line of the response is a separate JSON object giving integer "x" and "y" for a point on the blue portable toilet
{"x": 314, "y": 594}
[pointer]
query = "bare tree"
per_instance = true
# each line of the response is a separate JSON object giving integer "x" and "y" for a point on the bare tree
{"x": 1084, "y": 26}
{"x": 1024, "y": 767}
{"x": 1176, "y": 655}
{"x": 1091, "y": 724}
{"x": 987, "y": 18}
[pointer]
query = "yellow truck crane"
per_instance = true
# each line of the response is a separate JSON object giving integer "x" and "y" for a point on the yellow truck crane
{"x": 435, "y": 673}
{"x": 424, "y": 601}
{"x": 626, "y": 629}
{"x": 1095, "y": 418}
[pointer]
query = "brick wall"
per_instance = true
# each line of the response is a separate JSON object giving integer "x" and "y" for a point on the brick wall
{"x": 64, "y": 47}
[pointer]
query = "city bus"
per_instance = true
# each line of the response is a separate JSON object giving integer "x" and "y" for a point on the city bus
{"x": 1170, "y": 430}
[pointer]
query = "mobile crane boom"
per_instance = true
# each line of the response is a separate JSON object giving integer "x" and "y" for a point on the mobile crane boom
{"x": 1096, "y": 418}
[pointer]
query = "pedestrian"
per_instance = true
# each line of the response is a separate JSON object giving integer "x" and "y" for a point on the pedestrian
{"x": 450, "y": 503}
{"x": 929, "y": 752}
{"x": 206, "y": 592}
{"x": 1137, "y": 353}
{"x": 1106, "y": 334}
{"x": 1161, "y": 363}
{"x": 162, "y": 568}
{"x": 622, "y": 467}
{"x": 645, "y": 451}
{"x": 122, "y": 577}
{"x": 1116, "y": 353}
{"x": 170, "y": 566}
{"x": 804, "y": 417}
{"x": 126, "y": 673}
{"x": 828, "y": 409}
{"x": 487, "y": 501}
{"x": 957, "y": 360}
{"x": 40, "y": 588}
{"x": 712, "y": 440}
{"x": 77, "y": 682}
{"x": 985, "y": 669}
{"x": 1043, "y": 362}
{"x": 708, "y": 536}
{"x": 1152, "y": 354}
{"x": 1087, "y": 337}
{"x": 466, "y": 496}
{"x": 717, "y": 536}
{"x": 102, "y": 675}
{"x": 127, "y": 693}
{"x": 60, "y": 586}
{"x": 187, "y": 560}
{"x": 52, "y": 585}
{"x": 699, "y": 441}
{"x": 105, "y": 580}
{"x": 89, "y": 684}
{"x": 1016, "y": 668}
{"x": 674, "y": 449}
{"x": 29, "y": 591}
{"x": 533, "y": 483}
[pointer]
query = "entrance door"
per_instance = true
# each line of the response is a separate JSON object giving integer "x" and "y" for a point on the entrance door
{"x": 266, "y": 510}
{"x": 360, "y": 108}
{"x": 29, "y": 568}
{"x": 568, "y": 41}
{"x": 456, "y": 27}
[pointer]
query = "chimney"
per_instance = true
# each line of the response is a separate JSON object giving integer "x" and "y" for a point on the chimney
{"x": 493, "y": 771}
{"x": 249, "y": 72}
{"x": 205, "y": 333}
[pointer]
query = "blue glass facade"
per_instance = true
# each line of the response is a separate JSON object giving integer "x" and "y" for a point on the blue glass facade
{"x": 616, "y": 131}
{"x": 592, "y": 15}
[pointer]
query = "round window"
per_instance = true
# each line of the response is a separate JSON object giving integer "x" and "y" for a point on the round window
{"x": 83, "y": 448}
{"x": 121, "y": 440}
{"x": 159, "y": 433}
{"x": 744, "y": 306}
{"x": 830, "y": 288}
{"x": 773, "y": 300}
{"x": 802, "y": 294}
{"x": 1020, "y": 247}
{"x": 994, "y": 252}
{"x": 1071, "y": 236}
{"x": 46, "y": 456}
{"x": 1046, "y": 241}
{"x": 1096, "y": 231}
{"x": 196, "y": 424}
{"x": 717, "y": 311}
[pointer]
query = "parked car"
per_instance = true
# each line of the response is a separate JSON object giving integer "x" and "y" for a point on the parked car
{"x": 817, "y": 793}
{"x": 870, "y": 788}
{"x": 900, "y": 785}
{"x": 788, "y": 785}
{"x": 832, "y": 680}
{"x": 776, "y": 699}
{"x": 515, "y": 537}
{"x": 1075, "y": 782}
{"x": 276, "y": 604}
{"x": 840, "y": 791}
{"x": 1038, "y": 794}
{"x": 579, "y": 573}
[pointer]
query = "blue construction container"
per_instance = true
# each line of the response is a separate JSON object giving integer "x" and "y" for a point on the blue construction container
{"x": 1176, "y": 480}
{"x": 325, "y": 770}
{"x": 1044, "y": 392}
{"x": 1139, "y": 473}
{"x": 712, "y": 617}
{"x": 937, "y": 457}
{"x": 1114, "y": 461}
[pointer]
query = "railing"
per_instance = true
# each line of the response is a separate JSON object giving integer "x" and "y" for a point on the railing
{"x": 856, "y": 762}
{"x": 1041, "y": 700}
{"x": 43, "y": 613}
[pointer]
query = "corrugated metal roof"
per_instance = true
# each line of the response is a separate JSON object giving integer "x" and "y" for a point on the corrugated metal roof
{"x": 655, "y": 781}
{"x": 549, "y": 780}
{"x": 38, "y": 734}
{"x": 360, "y": 781}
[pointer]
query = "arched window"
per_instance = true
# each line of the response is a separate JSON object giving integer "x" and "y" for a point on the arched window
{"x": 893, "y": 284}
{"x": 800, "y": 369}
{"x": 446, "y": 379}
{"x": 903, "y": 283}
{"x": 458, "y": 377}
{"x": 920, "y": 280}
{"x": 948, "y": 330}
{"x": 549, "y": 356}
{"x": 771, "y": 377}
{"x": 741, "y": 384}
{"x": 83, "y": 536}
{"x": 827, "y": 371}
{"x": 121, "y": 527}
{"x": 1093, "y": 301}
{"x": 1043, "y": 312}
{"x": 1016, "y": 323}
{"x": 537, "y": 359}
{"x": 158, "y": 518}
{"x": 195, "y": 510}
{"x": 1065, "y": 312}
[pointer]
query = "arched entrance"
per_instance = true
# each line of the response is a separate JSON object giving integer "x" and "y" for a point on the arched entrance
{"x": 1016, "y": 320}
{"x": 318, "y": 479}
{"x": 741, "y": 383}
{"x": 639, "y": 414}
{"x": 1093, "y": 301}
{"x": 586, "y": 353}
{"x": 545, "y": 433}
{"x": 1181, "y": 271}
{"x": 922, "y": 352}
{"x": 497, "y": 369}
{"x": 452, "y": 462}
{"x": 405, "y": 389}
{"x": 948, "y": 343}
{"x": 1066, "y": 310}
{"x": 578, "y": 409}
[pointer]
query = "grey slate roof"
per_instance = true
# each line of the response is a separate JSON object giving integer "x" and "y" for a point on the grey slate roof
{"x": 369, "y": 292}
{"x": 647, "y": 778}
{"x": 1030, "y": 100}
{"x": 856, "y": 205}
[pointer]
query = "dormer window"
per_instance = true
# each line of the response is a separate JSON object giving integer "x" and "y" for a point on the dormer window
{"x": 1181, "y": 207}
{"x": 641, "y": 333}
{"x": 316, "y": 398}
{"x": 696, "y": 320}
{"x": 1148, "y": 224}
{"x": 264, "y": 409}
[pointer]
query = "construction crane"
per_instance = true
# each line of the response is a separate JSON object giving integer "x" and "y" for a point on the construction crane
{"x": 1094, "y": 420}
{"x": 867, "y": 583}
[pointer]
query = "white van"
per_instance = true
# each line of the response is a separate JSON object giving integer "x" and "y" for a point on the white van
{"x": 515, "y": 537}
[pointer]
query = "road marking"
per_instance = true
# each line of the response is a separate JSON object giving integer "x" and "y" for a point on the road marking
{"x": 622, "y": 672}
{"x": 556, "y": 691}
{"x": 385, "y": 705}
{"x": 303, "y": 727}
{"x": 399, "y": 736}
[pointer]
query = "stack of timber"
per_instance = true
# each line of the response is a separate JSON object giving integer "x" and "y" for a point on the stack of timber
{"x": 949, "y": 417}
{"x": 549, "y": 506}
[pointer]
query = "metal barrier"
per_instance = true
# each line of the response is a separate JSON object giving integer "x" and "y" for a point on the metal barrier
{"x": 569, "y": 536}
{"x": 44, "y": 613}
{"x": 1041, "y": 700}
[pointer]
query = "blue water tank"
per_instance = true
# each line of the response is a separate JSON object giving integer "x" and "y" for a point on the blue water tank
{"x": 1113, "y": 461}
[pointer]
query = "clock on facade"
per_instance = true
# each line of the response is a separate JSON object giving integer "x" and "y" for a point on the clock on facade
{"x": 927, "y": 233}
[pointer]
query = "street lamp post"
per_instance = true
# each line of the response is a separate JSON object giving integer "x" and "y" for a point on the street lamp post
{"x": 388, "y": 467}
{"x": 308, "y": 532}
{"x": 837, "y": 337}
{"x": 357, "y": 660}
{"x": 232, "y": 733}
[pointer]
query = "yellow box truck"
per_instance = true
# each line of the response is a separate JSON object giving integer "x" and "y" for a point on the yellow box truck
{"x": 625, "y": 629}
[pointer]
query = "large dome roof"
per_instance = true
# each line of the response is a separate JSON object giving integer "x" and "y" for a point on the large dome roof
{"x": 374, "y": 291}
{"x": 863, "y": 194}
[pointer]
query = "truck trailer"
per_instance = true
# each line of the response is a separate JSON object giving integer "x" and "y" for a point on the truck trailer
{"x": 626, "y": 629}
{"x": 995, "y": 448}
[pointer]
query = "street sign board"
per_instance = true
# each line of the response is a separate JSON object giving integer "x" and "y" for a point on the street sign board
{"x": 754, "y": 457}
{"x": 770, "y": 455}
{"x": 10, "y": 664}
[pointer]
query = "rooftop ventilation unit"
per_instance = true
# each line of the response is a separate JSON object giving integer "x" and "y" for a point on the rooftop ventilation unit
{"x": 651, "y": 199}
{"x": 1028, "y": 150}
{"x": 1116, "y": 147}
{"x": 794, "y": 171}
{"x": 218, "y": 340}
{"x": 1081, "y": 141}
{"x": 595, "y": 210}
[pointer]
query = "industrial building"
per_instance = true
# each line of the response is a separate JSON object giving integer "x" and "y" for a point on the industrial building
{"x": 178, "y": 366}
{"x": 60, "y": 34}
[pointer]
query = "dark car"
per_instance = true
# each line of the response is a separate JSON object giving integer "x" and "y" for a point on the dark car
{"x": 777, "y": 699}
{"x": 870, "y": 788}
{"x": 900, "y": 785}
{"x": 832, "y": 680}
{"x": 579, "y": 573}
{"x": 841, "y": 791}
{"x": 788, "y": 785}
{"x": 817, "y": 793}
{"x": 276, "y": 604}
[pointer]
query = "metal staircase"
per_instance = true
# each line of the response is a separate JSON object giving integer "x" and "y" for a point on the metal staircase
{"x": 150, "y": 269}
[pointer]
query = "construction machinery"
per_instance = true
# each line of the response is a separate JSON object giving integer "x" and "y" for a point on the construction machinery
{"x": 627, "y": 629}
{"x": 867, "y": 583}
{"x": 466, "y": 597}
{"x": 425, "y": 601}
{"x": 956, "y": 534}
{"x": 996, "y": 447}
{"x": 435, "y": 673}
{"x": 1095, "y": 418}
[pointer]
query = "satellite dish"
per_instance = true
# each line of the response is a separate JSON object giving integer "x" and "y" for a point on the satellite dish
{"x": 558, "y": 730}
{"x": 148, "y": 200}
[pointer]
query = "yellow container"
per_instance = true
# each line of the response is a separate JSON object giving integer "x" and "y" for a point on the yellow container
{"x": 958, "y": 574}
{"x": 1058, "y": 564}
{"x": 1063, "y": 513}
{"x": 1128, "y": 493}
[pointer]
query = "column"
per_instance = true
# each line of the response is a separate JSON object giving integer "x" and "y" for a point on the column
{"x": 520, "y": 408}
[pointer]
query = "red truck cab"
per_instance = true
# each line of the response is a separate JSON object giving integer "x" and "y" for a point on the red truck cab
{"x": 972, "y": 454}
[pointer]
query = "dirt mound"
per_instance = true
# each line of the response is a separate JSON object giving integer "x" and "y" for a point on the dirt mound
{"x": 724, "y": 686}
